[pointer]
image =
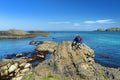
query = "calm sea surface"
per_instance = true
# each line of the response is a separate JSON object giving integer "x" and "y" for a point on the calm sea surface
{"x": 105, "y": 44}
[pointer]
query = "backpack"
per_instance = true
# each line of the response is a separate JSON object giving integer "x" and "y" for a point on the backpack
{"x": 81, "y": 39}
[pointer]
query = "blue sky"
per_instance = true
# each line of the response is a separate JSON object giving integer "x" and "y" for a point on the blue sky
{"x": 70, "y": 15}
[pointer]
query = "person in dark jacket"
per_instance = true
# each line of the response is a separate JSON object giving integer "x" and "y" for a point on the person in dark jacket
{"x": 77, "y": 41}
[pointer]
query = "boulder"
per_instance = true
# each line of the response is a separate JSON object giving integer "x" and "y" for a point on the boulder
{"x": 25, "y": 70}
{"x": 4, "y": 67}
{"x": 33, "y": 42}
{"x": 47, "y": 46}
{"x": 19, "y": 55}
{"x": 13, "y": 67}
{"x": 6, "y": 72}
{"x": 22, "y": 64}
{"x": 28, "y": 65}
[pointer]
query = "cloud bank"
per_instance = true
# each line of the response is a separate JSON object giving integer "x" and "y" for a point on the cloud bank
{"x": 100, "y": 21}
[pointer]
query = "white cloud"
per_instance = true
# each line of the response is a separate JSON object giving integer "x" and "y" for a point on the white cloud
{"x": 90, "y": 22}
{"x": 105, "y": 21}
{"x": 65, "y": 22}
{"x": 100, "y": 21}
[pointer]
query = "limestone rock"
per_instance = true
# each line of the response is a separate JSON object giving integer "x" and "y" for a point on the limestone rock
{"x": 67, "y": 61}
{"x": 17, "y": 78}
{"x": 47, "y": 46}
{"x": 4, "y": 67}
{"x": 70, "y": 64}
{"x": 25, "y": 70}
{"x": 22, "y": 64}
{"x": 13, "y": 67}
{"x": 27, "y": 65}
{"x": 6, "y": 72}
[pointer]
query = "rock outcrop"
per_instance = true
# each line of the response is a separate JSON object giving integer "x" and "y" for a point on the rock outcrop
{"x": 68, "y": 64}
{"x": 14, "y": 34}
{"x": 42, "y": 33}
{"x": 109, "y": 29}
{"x": 14, "y": 69}
{"x": 64, "y": 64}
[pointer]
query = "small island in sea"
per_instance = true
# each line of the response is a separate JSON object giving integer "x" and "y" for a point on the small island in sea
{"x": 109, "y": 29}
{"x": 14, "y": 34}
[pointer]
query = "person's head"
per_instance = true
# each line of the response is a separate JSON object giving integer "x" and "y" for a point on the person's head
{"x": 76, "y": 35}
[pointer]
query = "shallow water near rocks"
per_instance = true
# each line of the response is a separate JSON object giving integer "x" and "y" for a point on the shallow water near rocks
{"x": 105, "y": 44}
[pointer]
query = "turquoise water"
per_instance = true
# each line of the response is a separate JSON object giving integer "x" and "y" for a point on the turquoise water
{"x": 105, "y": 44}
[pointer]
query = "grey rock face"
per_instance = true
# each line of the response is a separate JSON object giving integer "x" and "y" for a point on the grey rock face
{"x": 75, "y": 64}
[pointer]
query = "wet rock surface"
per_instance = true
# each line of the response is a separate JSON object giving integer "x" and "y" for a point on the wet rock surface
{"x": 64, "y": 64}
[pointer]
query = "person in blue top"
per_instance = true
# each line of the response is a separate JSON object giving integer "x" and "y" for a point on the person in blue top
{"x": 77, "y": 41}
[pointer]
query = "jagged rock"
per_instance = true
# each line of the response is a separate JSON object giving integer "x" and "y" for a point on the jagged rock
{"x": 19, "y": 55}
{"x": 47, "y": 46}
{"x": 25, "y": 70}
{"x": 67, "y": 63}
{"x": 6, "y": 72}
{"x": 41, "y": 56}
{"x": 13, "y": 67}
{"x": 33, "y": 42}
{"x": 28, "y": 65}
{"x": 17, "y": 70}
{"x": 4, "y": 67}
{"x": 22, "y": 64}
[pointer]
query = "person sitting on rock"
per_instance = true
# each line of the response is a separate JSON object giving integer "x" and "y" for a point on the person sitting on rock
{"x": 76, "y": 42}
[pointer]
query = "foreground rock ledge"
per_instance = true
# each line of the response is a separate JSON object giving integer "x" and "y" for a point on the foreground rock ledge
{"x": 68, "y": 64}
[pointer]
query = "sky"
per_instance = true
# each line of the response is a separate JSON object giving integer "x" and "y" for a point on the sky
{"x": 59, "y": 15}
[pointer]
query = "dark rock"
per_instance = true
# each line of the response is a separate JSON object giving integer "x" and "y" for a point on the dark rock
{"x": 33, "y": 42}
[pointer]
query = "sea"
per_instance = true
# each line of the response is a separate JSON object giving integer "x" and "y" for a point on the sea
{"x": 106, "y": 45}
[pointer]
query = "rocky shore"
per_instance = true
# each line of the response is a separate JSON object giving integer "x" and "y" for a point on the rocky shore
{"x": 64, "y": 64}
{"x": 15, "y": 34}
{"x": 14, "y": 69}
{"x": 113, "y": 29}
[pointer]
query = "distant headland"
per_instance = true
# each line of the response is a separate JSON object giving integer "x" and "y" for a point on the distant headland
{"x": 109, "y": 29}
{"x": 14, "y": 34}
